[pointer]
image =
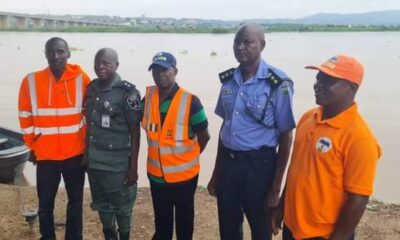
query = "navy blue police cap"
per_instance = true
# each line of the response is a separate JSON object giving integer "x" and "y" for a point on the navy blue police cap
{"x": 163, "y": 59}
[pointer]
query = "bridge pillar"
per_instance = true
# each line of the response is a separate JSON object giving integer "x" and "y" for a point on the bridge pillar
{"x": 4, "y": 24}
{"x": 71, "y": 24}
{"x": 21, "y": 22}
{"x": 49, "y": 23}
{"x": 60, "y": 24}
{"x": 37, "y": 22}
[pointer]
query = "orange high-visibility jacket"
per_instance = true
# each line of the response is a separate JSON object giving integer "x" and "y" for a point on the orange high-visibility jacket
{"x": 171, "y": 153}
{"x": 50, "y": 113}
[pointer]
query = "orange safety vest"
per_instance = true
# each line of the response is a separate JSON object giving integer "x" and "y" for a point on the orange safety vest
{"x": 171, "y": 153}
{"x": 50, "y": 113}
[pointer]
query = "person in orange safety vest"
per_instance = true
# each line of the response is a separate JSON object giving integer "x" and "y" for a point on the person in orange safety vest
{"x": 50, "y": 107}
{"x": 177, "y": 132}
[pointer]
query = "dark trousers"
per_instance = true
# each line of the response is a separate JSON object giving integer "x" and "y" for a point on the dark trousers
{"x": 287, "y": 235}
{"x": 48, "y": 176}
{"x": 170, "y": 199}
{"x": 244, "y": 178}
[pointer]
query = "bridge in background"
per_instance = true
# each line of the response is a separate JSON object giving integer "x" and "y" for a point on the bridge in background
{"x": 27, "y": 21}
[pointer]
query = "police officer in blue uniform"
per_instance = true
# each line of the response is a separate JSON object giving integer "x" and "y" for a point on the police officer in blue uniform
{"x": 255, "y": 103}
{"x": 113, "y": 116}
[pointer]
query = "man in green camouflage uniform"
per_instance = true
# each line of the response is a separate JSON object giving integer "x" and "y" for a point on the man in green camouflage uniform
{"x": 113, "y": 139}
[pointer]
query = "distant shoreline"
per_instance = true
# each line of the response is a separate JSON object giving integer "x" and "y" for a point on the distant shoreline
{"x": 215, "y": 30}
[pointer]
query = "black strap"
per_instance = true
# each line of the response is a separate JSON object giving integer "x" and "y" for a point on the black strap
{"x": 274, "y": 81}
{"x": 260, "y": 120}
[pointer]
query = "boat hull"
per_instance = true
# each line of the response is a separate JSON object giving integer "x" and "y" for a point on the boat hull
{"x": 13, "y": 155}
{"x": 12, "y": 167}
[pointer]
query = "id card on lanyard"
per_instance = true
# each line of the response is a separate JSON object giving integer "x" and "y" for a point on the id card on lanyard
{"x": 105, "y": 121}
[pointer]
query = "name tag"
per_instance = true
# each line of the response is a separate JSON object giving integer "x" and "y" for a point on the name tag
{"x": 105, "y": 120}
{"x": 226, "y": 91}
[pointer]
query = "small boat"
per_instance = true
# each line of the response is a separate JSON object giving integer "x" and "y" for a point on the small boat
{"x": 13, "y": 155}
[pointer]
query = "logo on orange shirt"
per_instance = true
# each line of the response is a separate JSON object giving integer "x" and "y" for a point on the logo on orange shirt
{"x": 324, "y": 144}
{"x": 170, "y": 133}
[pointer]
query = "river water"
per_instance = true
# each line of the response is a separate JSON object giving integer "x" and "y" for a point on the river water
{"x": 202, "y": 56}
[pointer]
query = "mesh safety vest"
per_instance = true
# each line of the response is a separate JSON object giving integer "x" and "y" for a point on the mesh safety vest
{"x": 171, "y": 153}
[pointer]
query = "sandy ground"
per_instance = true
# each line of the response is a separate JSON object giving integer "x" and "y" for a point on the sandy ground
{"x": 380, "y": 221}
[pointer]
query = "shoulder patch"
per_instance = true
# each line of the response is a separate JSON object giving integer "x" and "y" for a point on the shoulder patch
{"x": 134, "y": 101}
{"x": 285, "y": 88}
{"x": 226, "y": 75}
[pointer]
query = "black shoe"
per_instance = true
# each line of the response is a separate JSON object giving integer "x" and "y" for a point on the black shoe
{"x": 110, "y": 234}
{"x": 124, "y": 236}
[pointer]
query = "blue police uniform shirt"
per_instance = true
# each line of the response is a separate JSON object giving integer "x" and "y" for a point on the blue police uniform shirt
{"x": 240, "y": 130}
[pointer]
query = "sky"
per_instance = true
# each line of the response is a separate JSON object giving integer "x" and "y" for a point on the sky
{"x": 205, "y": 9}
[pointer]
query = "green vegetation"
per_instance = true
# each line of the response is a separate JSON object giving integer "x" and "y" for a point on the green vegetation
{"x": 329, "y": 28}
{"x": 217, "y": 30}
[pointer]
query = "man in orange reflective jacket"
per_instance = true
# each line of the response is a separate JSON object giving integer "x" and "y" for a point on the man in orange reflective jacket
{"x": 50, "y": 115}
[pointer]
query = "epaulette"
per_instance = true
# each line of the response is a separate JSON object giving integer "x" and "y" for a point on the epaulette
{"x": 226, "y": 75}
{"x": 91, "y": 82}
{"x": 91, "y": 86}
{"x": 127, "y": 85}
{"x": 274, "y": 80}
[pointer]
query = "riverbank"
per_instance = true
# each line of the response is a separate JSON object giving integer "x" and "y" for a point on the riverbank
{"x": 380, "y": 221}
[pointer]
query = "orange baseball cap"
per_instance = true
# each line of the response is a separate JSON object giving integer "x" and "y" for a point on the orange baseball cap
{"x": 343, "y": 67}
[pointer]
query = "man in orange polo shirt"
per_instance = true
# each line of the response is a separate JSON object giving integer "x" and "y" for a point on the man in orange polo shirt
{"x": 334, "y": 159}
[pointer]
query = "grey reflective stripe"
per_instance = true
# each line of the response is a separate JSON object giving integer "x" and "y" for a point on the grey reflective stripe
{"x": 58, "y": 111}
{"x": 176, "y": 150}
{"x": 147, "y": 107}
{"x": 32, "y": 93}
{"x": 78, "y": 93}
{"x": 28, "y": 130}
{"x": 174, "y": 169}
{"x": 24, "y": 114}
{"x": 179, "y": 134}
{"x": 59, "y": 130}
{"x": 55, "y": 111}
{"x": 153, "y": 162}
{"x": 182, "y": 167}
{"x": 152, "y": 143}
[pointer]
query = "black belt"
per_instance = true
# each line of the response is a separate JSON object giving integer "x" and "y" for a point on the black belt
{"x": 265, "y": 150}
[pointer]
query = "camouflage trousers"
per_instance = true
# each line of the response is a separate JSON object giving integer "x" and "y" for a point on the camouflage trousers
{"x": 112, "y": 198}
